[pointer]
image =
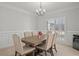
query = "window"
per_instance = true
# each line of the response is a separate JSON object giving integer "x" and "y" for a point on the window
{"x": 57, "y": 24}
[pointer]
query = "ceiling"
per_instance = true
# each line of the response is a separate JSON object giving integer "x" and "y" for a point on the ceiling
{"x": 32, "y": 6}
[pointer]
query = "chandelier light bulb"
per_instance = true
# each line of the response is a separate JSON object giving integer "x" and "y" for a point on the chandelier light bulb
{"x": 40, "y": 11}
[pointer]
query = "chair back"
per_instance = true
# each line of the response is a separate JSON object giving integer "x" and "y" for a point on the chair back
{"x": 49, "y": 40}
{"x": 54, "y": 38}
{"x": 27, "y": 34}
{"x": 17, "y": 43}
{"x": 35, "y": 33}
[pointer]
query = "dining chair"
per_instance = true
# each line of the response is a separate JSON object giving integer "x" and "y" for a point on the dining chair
{"x": 19, "y": 49}
{"x": 34, "y": 33}
{"x": 27, "y": 34}
{"x": 48, "y": 45}
{"x": 54, "y": 41}
{"x": 43, "y": 32}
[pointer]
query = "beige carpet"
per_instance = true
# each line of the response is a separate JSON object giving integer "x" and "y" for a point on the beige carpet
{"x": 63, "y": 50}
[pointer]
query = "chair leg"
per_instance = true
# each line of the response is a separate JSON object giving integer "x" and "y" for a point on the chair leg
{"x": 55, "y": 47}
{"x": 45, "y": 53}
{"x": 34, "y": 53}
{"x": 15, "y": 53}
{"x": 51, "y": 51}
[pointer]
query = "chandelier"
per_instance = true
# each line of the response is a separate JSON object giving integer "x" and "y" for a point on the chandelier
{"x": 40, "y": 11}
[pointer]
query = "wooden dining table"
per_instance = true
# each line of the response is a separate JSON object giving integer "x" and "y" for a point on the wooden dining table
{"x": 34, "y": 40}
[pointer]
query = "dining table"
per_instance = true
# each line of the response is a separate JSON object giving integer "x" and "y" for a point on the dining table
{"x": 34, "y": 40}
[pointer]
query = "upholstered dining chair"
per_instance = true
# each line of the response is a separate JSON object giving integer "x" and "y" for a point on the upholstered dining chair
{"x": 34, "y": 33}
{"x": 54, "y": 41}
{"x": 27, "y": 34}
{"x": 48, "y": 45}
{"x": 19, "y": 49}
